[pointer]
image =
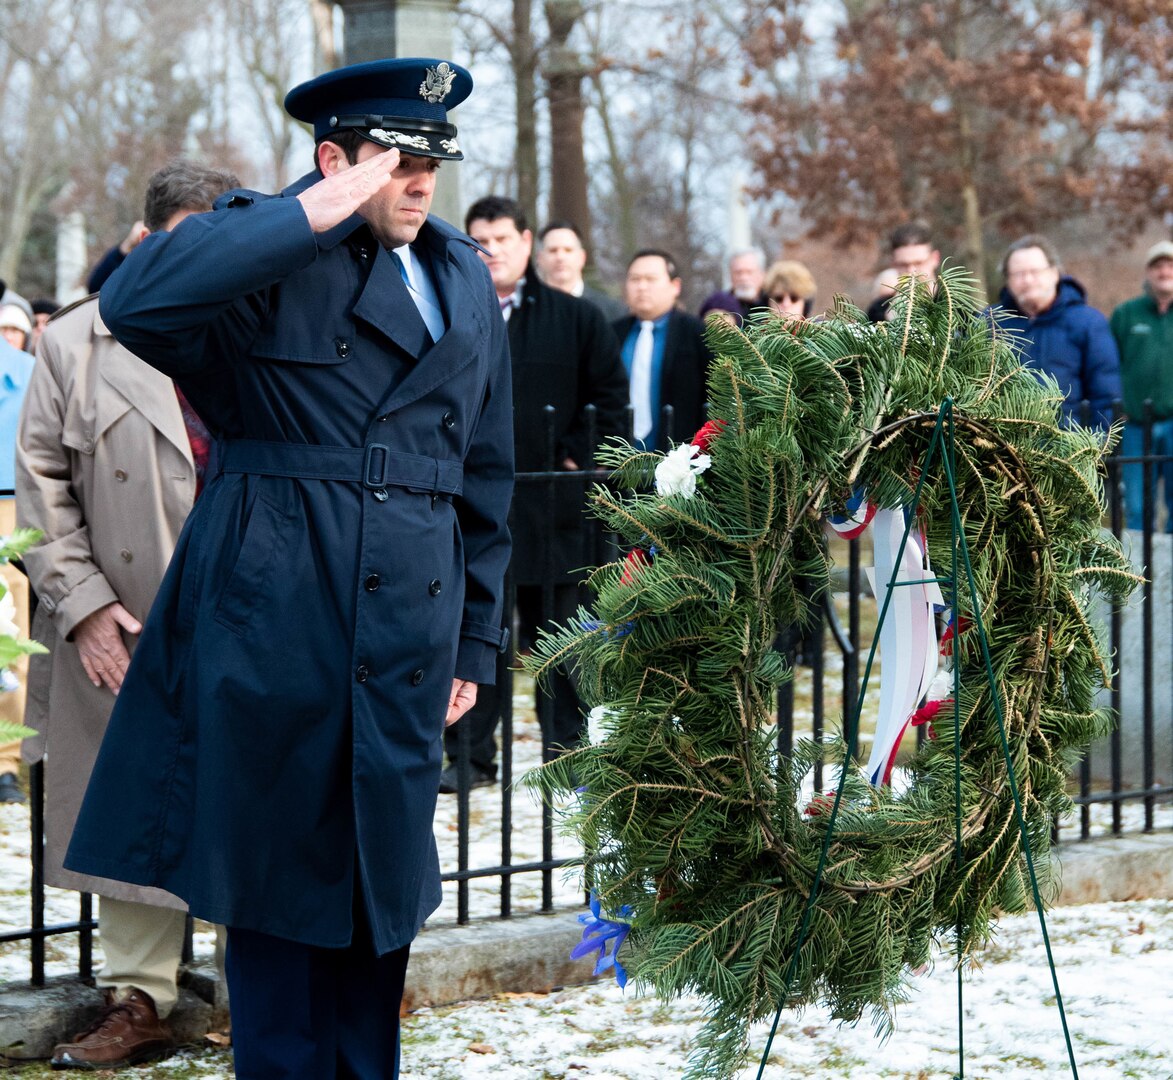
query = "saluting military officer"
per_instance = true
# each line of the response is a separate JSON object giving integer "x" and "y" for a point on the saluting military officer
{"x": 335, "y": 598}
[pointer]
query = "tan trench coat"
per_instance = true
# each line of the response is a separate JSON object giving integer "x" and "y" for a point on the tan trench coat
{"x": 104, "y": 469}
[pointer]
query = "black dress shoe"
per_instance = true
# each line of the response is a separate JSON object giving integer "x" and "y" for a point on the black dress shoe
{"x": 10, "y": 788}
{"x": 477, "y": 777}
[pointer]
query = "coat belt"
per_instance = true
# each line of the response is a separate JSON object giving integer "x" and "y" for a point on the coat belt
{"x": 374, "y": 466}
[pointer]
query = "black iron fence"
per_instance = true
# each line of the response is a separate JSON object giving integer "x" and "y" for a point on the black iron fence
{"x": 1134, "y": 767}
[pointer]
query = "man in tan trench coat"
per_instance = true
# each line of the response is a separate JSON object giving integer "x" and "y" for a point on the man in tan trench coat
{"x": 107, "y": 468}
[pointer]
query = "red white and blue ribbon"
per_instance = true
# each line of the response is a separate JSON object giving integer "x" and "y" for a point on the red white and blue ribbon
{"x": 858, "y": 517}
{"x": 908, "y": 646}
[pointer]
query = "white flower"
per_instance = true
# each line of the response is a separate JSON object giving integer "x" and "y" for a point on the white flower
{"x": 595, "y": 718}
{"x": 677, "y": 473}
{"x": 8, "y": 625}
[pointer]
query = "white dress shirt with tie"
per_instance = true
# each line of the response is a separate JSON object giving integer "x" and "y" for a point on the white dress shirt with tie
{"x": 422, "y": 291}
{"x": 641, "y": 378}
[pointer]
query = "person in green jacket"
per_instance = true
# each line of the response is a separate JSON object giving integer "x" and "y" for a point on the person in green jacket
{"x": 1143, "y": 328}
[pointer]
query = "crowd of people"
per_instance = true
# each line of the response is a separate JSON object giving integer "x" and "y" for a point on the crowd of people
{"x": 339, "y": 317}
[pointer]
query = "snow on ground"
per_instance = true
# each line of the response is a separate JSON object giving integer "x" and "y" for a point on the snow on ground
{"x": 1114, "y": 962}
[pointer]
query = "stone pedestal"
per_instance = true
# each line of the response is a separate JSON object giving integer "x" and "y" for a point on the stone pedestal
{"x": 71, "y": 257}
{"x": 1129, "y": 665}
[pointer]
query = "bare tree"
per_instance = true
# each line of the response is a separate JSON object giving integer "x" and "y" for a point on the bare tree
{"x": 35, "y": 42}
{"x": 97, "y": 94}
{"x": 564, "y": 72}
{"x": 669, "y": 116}
{"x": 271, "y": 39}
{"x": 500, "y": 31}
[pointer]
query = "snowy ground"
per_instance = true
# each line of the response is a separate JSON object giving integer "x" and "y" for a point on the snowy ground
{"x": 1114, "y": 962}
{"x": 1113, "y": 959}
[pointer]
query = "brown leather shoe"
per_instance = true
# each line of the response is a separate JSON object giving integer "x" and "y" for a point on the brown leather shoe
{"x": 127, "y": 1031}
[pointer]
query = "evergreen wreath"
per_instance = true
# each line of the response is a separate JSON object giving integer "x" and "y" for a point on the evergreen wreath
{"x": 694, "y": 826}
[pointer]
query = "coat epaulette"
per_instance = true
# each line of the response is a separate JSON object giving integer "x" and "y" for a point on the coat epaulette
{"x": 239, "y": 197}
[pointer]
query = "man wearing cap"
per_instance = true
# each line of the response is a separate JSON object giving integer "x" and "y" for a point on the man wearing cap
{"x": 1143, "y": 328}
{"x": 15, "y": 326}
{"x": 335, "y": 598}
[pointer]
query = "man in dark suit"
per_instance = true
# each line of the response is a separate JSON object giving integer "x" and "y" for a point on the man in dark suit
{"x": 335, "y": 597}
{"x": 664, "y": 352}
{"x": 562, "y": 259}
{"x": 563, "y": 355}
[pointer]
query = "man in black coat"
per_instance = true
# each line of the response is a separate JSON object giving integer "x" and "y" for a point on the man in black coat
{"x": 664, "y": 353}
{"x": 564, "y": 356}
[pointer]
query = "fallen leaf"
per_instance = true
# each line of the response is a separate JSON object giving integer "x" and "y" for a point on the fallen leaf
{"x": 481, "y": 1048}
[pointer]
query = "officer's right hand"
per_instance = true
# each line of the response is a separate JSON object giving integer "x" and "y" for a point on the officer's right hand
{"x": 334, "y": 198}
{"x": 99, "y": 643}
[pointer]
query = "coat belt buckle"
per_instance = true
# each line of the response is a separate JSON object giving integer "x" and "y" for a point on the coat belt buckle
{"x": 374, "y": 466}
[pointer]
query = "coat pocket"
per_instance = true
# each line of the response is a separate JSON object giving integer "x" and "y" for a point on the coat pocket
{"x": 261, "y": 550}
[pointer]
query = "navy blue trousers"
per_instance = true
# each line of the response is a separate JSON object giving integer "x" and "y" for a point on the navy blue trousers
{"x": 300, "y": 1012}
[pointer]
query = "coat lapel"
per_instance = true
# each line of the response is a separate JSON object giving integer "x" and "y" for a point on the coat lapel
{"x": 387, "y": 306}
{"x": 139, "y": 386}
{"x": 671, "y": 351}
{"x": 456, "y": 349}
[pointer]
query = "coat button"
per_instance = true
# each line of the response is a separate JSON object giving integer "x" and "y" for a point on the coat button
{"x": 88, "y": 446}
{"x": 120, "y": 475}
{"x": 342, "y": 347}
{"x": 448, "y": 420}
{"x": 372, "y": 583}
{"x": 434, "y": 587}
{"x": 362, "y": 673}
{"x": 126, "y": 555}
{"x": 417, "y": 676}
{"x": 380, "y": 494}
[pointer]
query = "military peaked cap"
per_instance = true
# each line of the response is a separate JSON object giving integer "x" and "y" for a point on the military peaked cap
{"x": 399, "y": 103}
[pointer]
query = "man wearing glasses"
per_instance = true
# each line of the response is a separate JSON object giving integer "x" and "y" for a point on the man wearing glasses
{"x": 1062, "y": 335}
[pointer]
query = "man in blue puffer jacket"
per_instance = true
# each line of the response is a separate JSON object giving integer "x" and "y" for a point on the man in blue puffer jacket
{"x": 1062, "y": 335}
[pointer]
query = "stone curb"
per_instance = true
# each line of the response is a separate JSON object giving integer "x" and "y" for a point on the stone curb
{"x": 530, "y": 953}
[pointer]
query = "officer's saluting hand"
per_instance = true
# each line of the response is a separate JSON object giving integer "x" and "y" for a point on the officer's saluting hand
{"x": 334, "y": 198}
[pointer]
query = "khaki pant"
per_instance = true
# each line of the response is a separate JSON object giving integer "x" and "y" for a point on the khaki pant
{"x": 12, "y": 701}
{"x": 143, "y": 945}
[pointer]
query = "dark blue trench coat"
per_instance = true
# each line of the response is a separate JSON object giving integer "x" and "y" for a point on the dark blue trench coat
{"x": 277, "y": 741}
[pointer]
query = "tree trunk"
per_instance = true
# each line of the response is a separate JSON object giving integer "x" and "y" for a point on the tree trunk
{"x": 564, "y": 74}
{"x": 624, "y": 205}
{"x": 524, "y": 60}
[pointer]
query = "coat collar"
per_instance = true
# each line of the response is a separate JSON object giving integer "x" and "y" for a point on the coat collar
{"x": 387, "y": 306}
{"x": 139, "y": 386}
{"x": 459, "y": 293}
{"x": 399, "y": 319}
